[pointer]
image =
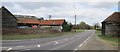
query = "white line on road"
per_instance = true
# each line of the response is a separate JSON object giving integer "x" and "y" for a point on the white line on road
{"x": 9, "y": 49}
{"x": 75, "y": 49}
{"x": 38, "y": 45}
{"x": 28, "y": 49}
{"x": 87, "y": 39}
{"x": 80, "y": 45}
{"x": 56, "y": 42}
{"x": 84, "y": 42}
{"x": 64, "y": 44}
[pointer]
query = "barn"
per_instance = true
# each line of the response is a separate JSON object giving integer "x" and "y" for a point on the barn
{"x": 27, "y": 22}
{"x": 8, "y": 19}
{"x": 111, "y": 25}
{"x": 56, "y": 24}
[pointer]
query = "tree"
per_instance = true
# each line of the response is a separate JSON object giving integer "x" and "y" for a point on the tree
{"x": 83, "y": 25}
{"x": 97, "y": 26}
{"x": 67, "y": 27}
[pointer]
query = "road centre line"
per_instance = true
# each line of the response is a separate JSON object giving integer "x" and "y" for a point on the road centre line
{"x": 80, "y": 45}
{"x": 9, "y": 49}
{"x": 84, "y": 42}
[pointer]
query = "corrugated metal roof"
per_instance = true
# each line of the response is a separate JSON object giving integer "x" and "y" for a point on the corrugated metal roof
{"x": 52, "y": 22}
{"x": 115, "y": 17}
{"x": 41, "y": 22}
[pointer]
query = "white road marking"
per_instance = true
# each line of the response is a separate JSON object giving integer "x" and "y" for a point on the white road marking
{"x": 75, "y": 49}
{"x": 38, "y": 45}
{"x": 64, "y": 44}
{"x": 85, "y": 41}
{"x": 28, "y": 49}
{"x": 56, "y": 42}
{"x": 9, "y": 49}
{"x": 80, "y": 45}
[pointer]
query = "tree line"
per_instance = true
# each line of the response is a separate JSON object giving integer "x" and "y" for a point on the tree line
{"x": 83, "y": 25}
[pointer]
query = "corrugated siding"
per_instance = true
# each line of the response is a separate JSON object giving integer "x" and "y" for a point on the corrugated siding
{"x": 112, "y": 29}
{"x": 8, "y": 20}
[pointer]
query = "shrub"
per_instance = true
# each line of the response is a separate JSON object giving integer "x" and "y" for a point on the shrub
{"x": 67, "y": 27}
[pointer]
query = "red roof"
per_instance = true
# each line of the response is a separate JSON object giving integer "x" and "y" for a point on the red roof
{"x": 113, "y": 18}
{"x": 42, "y": 22}
{"x": 52, "y": 22}
{"x": 28, "y": 21}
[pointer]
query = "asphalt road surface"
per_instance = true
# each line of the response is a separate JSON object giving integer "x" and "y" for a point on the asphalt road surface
{"x": 66, "y": 42}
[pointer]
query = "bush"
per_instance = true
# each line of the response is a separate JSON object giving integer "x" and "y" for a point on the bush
{"x": 67, "y": 27}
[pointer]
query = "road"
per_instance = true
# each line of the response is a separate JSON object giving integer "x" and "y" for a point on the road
{"x": 66, "y": 42}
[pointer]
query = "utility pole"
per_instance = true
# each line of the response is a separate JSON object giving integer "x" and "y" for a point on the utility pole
{"x": 74, "y": 13}
{"x": 75, "y": 23}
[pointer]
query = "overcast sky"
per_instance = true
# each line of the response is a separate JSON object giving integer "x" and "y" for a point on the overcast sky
{"x": 87, "y": 11}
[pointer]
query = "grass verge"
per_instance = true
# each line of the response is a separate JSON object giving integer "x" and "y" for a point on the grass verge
{"x": 34, "y": 36}
{"x": 109, "y": 39}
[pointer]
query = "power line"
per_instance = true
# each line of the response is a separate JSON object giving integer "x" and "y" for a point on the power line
{"x": 74, "y": 7}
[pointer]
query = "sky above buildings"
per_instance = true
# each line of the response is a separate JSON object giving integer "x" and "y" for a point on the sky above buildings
{"x": 88, "y": 11}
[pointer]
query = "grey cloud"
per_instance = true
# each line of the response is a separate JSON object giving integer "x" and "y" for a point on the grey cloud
{"x": 63, "y": 9}
{"x": 35, "y": 5}
{"x": 99, "y": 4}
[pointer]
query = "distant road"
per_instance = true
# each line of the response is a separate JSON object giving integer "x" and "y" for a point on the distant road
{"x": 66, "y": 42}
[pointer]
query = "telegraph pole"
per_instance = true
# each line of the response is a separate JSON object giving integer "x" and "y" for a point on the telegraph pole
{"x": 74, "y": 13}
{"x": 75, "y": 22}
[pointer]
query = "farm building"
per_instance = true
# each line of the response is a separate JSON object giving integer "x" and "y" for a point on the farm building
{"x": 25, "y": 22}
{"x": 111, "y": 25}
{"x": 56, "y": 24}
{"x": 37, "y": 23}
{"x": 8, "y": 19}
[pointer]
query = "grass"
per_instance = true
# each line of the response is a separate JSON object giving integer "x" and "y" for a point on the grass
{"x": 0, "y": 37}
{"x": 34, "y": 36}
{"x": 109, "y": 39}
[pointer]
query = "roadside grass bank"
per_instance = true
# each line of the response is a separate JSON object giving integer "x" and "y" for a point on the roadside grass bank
{"x": 0, "y": 37}
{"x": 109, "y": 39}
{"x": 35, "y": 36}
